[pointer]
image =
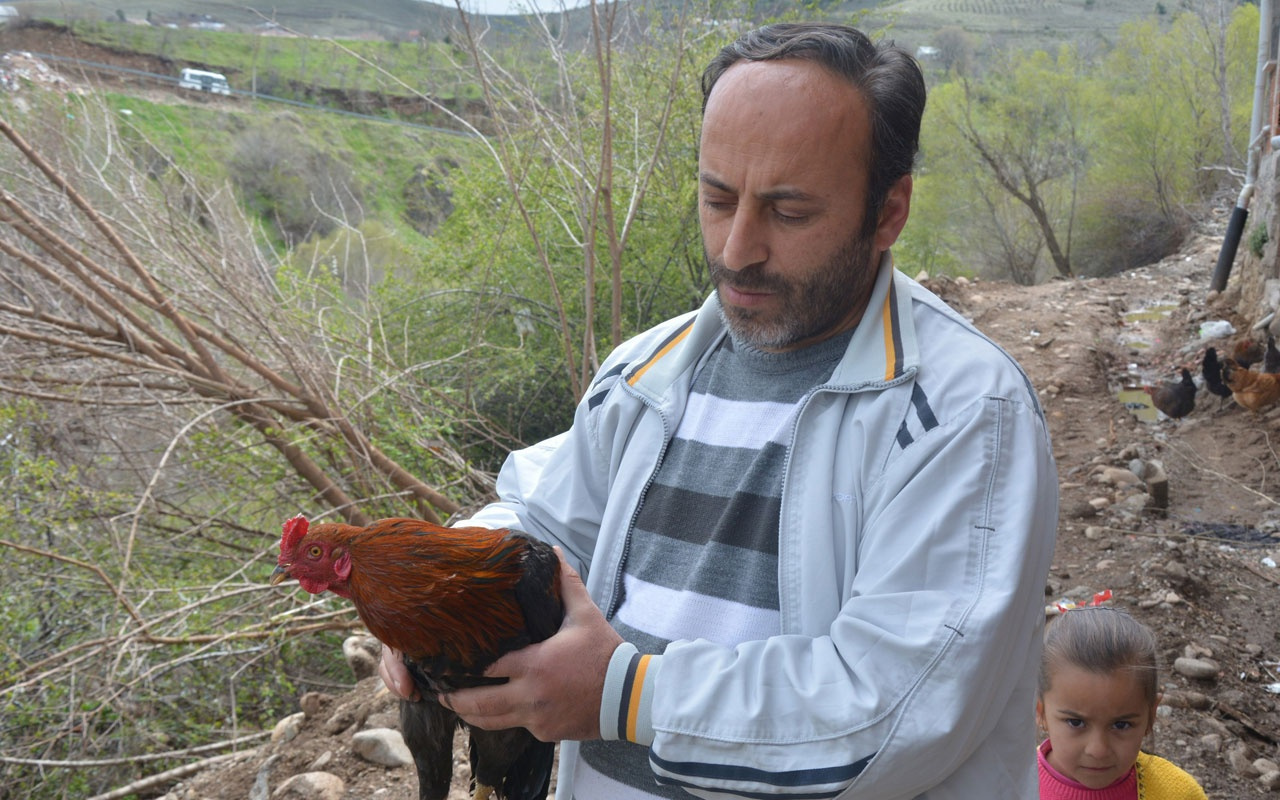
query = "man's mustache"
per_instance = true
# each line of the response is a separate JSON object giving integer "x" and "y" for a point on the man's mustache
{"x": 748, "y": 279}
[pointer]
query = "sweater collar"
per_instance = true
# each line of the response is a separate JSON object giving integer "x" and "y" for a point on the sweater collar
{"x": 1056, "y": 786}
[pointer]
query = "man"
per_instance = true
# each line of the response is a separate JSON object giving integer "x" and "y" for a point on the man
{"x": 814, "y": 516}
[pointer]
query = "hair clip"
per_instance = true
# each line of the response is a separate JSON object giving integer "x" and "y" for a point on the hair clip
{"x": 1064, "y": 605}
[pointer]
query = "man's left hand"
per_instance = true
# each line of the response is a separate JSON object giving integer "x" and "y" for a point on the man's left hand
{"x": 554, "y": 686}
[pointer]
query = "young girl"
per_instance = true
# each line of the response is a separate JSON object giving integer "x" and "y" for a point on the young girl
{"x": 1097, "y": 701}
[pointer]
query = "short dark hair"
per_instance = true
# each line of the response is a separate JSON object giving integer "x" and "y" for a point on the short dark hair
{"x": 888, "y": 77}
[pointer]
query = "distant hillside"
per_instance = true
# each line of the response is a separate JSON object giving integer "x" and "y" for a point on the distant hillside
{"x": 1020, "y": 24}
{"x": 384, "y": 19}
{"x": 995, "y": 23}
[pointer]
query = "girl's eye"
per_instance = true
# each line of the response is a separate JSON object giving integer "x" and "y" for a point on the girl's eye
{"x": 1074, "y": 723}
{"x": 315, "y": 551}
{"x": 1123, "y": 725}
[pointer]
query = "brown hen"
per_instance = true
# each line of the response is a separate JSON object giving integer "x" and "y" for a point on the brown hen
{"x": 1253, "y": 390}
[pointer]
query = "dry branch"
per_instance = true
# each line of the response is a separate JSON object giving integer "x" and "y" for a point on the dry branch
{"x": 167, "y": 776}
{"x": 110, "y": 762}
{"x": 97, "y": 297}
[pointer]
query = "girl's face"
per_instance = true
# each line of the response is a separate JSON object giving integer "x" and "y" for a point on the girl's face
{"x": 1096, "y": 723}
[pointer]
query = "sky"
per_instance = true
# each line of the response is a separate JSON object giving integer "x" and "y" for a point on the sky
{"x": 511, "y": 6}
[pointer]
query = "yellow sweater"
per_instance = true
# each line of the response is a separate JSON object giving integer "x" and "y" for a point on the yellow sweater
{"x": 1159, "y": 779}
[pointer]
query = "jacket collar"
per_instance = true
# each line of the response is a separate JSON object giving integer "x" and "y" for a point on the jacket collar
{"x": 882, "y": 350}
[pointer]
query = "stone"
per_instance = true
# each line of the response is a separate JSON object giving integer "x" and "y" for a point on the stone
{"x": 362, "y": 654}
{"x": 288, "y": 728}
{"x": 1179, "y": 698}
{"x": 312, "y": 786}
{"x": 1241, "y": 761}
{"x": 1199, "y": 668}
{"x": 1265, "y": 765}
{"x": 1118, "y": 476}
{"x": 382, "y": 746}
{"x": 315, "y": 704}
{"x": 383, "y": 719}
{"x": 1176, "y": 570}
{"x": 323, "y": 760}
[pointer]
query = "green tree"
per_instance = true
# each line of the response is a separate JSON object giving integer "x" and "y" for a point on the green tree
{"x": 1023, "y": 128}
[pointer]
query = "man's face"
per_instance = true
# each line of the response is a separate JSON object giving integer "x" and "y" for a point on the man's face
{"x": 782, "y": 185}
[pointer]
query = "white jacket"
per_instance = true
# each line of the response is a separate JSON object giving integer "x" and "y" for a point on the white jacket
{"x": 919, "y": 510}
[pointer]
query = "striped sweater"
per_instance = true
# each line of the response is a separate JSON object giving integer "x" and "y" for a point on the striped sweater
{"x": 704, "y": 558}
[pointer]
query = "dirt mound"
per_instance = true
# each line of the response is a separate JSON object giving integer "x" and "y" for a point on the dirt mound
{"x": 84, "y": 59}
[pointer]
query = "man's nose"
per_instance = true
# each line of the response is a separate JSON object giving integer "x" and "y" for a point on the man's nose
{"x": 745, "y": 244}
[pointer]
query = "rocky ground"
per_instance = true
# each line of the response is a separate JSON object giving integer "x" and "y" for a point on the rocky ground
{"x": 1200, "y": 571}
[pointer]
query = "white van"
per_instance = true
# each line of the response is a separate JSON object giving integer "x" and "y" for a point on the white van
{"x": 203, "y": 81}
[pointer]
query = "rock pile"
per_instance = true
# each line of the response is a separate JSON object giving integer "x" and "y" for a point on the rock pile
{"x": 333, "y": 748}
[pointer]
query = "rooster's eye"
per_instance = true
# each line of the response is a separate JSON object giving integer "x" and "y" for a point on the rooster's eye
{"x": 315, "y": 551}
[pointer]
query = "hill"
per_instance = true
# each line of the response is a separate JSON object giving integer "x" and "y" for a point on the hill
{"x": 1020, "y": 24}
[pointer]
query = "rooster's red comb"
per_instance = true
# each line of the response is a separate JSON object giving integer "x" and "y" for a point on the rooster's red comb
{"x": 294, "y": 530}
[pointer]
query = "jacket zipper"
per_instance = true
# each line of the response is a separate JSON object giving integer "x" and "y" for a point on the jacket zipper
{"x": 615, "y": 598}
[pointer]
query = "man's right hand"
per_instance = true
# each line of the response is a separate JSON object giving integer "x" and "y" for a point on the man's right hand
{"x": 396, "y": 675}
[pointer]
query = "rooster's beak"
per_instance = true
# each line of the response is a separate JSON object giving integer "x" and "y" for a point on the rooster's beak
{"x": 281, "y": 574}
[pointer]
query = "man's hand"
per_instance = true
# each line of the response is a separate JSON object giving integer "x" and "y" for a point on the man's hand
{"x": 396, "y": 675}
{"x": 553, "y": 687}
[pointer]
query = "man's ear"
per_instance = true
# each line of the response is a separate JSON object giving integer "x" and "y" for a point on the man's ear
{"x": 893, "y": 214}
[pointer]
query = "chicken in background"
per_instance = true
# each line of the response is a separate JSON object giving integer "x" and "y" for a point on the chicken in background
{"x": 452, "y": 600}
{"x": 1248, "y": 351}
{"x": 1211, "y": 371}
{"x": 1271, "y": 358}
{"x": 1253, "y": 390}
{"x": 1175, "y": 399}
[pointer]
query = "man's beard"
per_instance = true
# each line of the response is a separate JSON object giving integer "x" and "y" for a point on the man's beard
{"x": 811, "y": 306}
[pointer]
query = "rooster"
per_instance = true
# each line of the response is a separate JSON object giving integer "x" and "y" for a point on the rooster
{"x": 1176, "y": 400}
{"x": 1253, "y": 390}
{"x": 452, "y": 600}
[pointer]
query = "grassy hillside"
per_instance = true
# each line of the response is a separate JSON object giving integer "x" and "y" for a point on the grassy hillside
{"x": 1021, "y": 24}
{"x": 380, "y": 18}
{"x": 1017, "y": 23}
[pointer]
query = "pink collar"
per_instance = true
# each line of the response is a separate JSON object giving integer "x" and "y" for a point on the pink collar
{"x": 1056, "y": 786}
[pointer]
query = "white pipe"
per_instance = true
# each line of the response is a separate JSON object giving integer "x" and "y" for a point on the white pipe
{"x": 1260, "y": 100}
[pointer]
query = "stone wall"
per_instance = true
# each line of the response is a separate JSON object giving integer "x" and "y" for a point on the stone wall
{"x": 1255, "y": 279}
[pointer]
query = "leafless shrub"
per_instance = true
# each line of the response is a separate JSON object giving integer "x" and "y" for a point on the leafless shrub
{"x": 168, "y": 394}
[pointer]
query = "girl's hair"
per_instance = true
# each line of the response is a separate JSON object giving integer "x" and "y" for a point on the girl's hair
{"x": 1100, "y": 639}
